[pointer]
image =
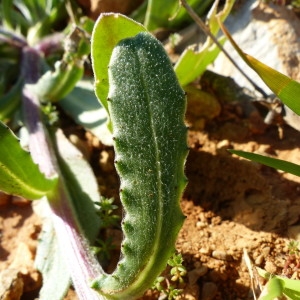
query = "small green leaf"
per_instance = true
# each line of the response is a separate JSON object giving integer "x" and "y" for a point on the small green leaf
{"x": 191, "y": 64}
{"x": 54, "y": 85}
{"x": 274, "y": 289}
{"x": 263, "y": 273}
{"x": 293, "y": 294}
{"x": 18, "y": 173}
{"x": 168, "y": 13}
{"x": 108, "y": 31}
{"x": 214, "y": 17}
{"x": 291, "y": 285}
{"x": 269, "y": 161}
{"x": 286, "y": 89}
{"x": 11, "y": 100}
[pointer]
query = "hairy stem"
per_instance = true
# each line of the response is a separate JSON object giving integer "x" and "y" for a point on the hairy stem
{"x": 39, "y": 140}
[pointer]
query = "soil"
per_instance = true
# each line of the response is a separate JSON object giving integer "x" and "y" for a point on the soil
{"x": 231, "y": 205}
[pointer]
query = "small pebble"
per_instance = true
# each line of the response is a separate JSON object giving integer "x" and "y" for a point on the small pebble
{"x": 190, "y": 292}
{"x": 205, "y": 251}
{"x": 259, "y": 260}
{"x": 197, "y": 264}
{"x": 222, "y": 255}
{"x": 195, "y": 274}
{"x": 11, "y": 284}
{"x": 266, "y": 251}
{"x": 224, "y": 144}
{"x": 270, "y": 267}
{"x": 105, "y": 161}
{"x": 201, "y": 225}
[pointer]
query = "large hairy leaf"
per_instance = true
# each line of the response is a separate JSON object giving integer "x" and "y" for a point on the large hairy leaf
{"x": 147, "y": 107}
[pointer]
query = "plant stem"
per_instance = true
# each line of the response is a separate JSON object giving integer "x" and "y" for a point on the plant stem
{"x": 51, "y": 43}
{"x": 11, "y": 38}
{"x": 82, "y": 264}
{"x": 38, "y": 141}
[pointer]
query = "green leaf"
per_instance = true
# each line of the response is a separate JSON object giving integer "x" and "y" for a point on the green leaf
{"x": 291, "y": 287}
{"x": 147, "y": 107}
{"x": 108, "y": 31}
{"x": 80, "y": 182}
{"x": 288, "y": 287}
{"x": 269, "y": 161}
{"x": 54, "y": 85}
{"x": 6, "y": 13}
{"x": 11, "y": 100}
{"x": 191, "y": 64}
{"x": 293, "y": 294}
{"x": 50, "y": 259}
{"x": 274, "y": 289}
{"x": 18, "y": 173}
{"x": 215, "y": 17}
{"x": 286, "y": 89}
{"x": 168, "y": 13}
{"x": 83, "y": 106}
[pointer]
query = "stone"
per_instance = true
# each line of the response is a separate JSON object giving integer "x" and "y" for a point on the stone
{"x": 222, "y": 255}
{"x": 266, "y": 251}
{"x": 11, "y": 284}
{"x": 270, "y": 267}
{"x": 24, "y": 261}
{"x": 270, "y": 33}
{"x": 259, "y": 260}
{"x": 195, "y": 274}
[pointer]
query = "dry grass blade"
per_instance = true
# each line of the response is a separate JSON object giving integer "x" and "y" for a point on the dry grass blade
{"x": 256, "y": 286}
